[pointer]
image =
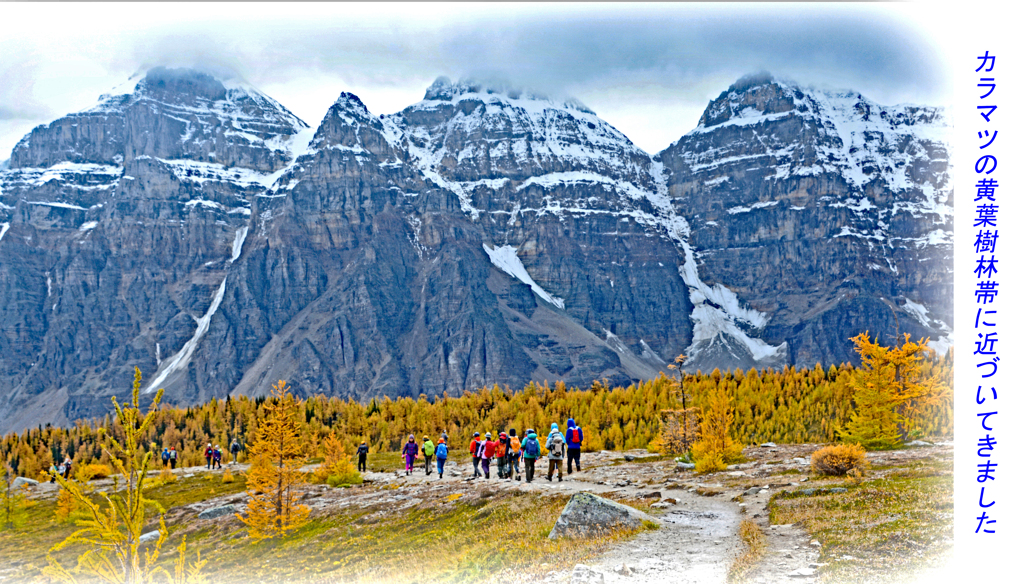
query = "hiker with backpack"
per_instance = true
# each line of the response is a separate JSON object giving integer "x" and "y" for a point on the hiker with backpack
{"x": 474, "y": 447}
{"x": 217, "y": 455}
{"x": 556, "y": 451}
{"x": 174, "y": 458}
{"x": 411, "y": 450}
{"x": 165, "y": 456}
{"x": 486, "y": 452}
{"x": 499, "y": 454}
{"x": 573, "y": 445}
{"x": 515, "y": 450}
{"x": 442, "y": 456}
{"x": 235, "y": 449}
{"x": 531, "y": 452}
{"x": 209, "y": 455}
{"x": 362, "y": 451}
{"x": 428, "y": 453}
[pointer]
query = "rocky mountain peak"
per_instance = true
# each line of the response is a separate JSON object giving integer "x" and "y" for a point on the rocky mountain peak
{"x": 752, "y": 96}
{"x": 179, "y": 84}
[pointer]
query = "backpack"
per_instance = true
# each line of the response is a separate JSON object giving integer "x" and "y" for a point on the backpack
{"x": 532, "y": 447}
{"x": 515, "y": 445}
{"x": 574, "y": 435}
{"x": 499, "y": 452}
{"x": 441, "y": 451}
{"x": 556, "y": 443}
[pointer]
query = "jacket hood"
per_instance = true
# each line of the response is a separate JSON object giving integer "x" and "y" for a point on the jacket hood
{"x": 572, "y": 423}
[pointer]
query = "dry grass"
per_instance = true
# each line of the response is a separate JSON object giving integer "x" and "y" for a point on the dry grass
{"x": 894, "y": 525}
{"x": 756, "y": 543}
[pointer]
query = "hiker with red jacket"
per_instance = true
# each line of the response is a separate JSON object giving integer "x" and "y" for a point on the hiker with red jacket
{"x": 474, "y": 446}
{"x": 411, "y": 450}
{"x": 573, "y": 444}
{"x": 486, "y": 452}
{"x": 209, "y": 455}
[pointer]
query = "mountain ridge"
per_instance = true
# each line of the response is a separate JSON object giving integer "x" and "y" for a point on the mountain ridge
{"x": 477, "y": 236}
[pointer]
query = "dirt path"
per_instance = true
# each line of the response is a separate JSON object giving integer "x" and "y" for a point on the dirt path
{"x": 699, "y": 538}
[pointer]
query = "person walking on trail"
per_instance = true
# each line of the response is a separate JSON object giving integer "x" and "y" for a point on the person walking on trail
{"x": 486, "y": 450}
{"x": 410, "y": 451}
{"x": 362, "y": 451}
{"x": 474, "y": 447}
{"x": 166, "y": 457}
{"x": 428, "y": 453}
{"x": 217, "y": 456}
{"x": 499, "y": 455}
{"x": 531, "y": 452}
{"x": 573, "y": 445}
{"x": 174, "y": 458}
{"x": 209, "y": 455}
{"x": 67, "y": 468}
{"x": 556, "y": 452}
{"x": 235, "y": 449}
{"x": 442, "y": 456}
{"x": 515, "y": 450}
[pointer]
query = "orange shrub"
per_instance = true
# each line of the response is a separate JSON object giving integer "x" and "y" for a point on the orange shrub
{"x": 838, "y": 459}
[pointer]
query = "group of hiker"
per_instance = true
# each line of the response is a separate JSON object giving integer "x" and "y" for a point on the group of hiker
{"x": 213, "y": 455}
{"x": 63, "y": 469}
{"x": 505, "y": 452}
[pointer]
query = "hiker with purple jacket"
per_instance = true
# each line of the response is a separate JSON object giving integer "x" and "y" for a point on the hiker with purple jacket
{"x": 410, "y": 451}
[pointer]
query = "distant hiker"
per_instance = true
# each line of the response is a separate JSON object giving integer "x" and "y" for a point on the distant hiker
{"x": 166, "y": 457}
{"x": 209, "y": 455}
{"x": 474, "y": 446}
{"x": 410, "y": 451}
{"x": 500, "y": 449}
{"x": 235, "y": 449}
{"x": 573, "y": 445}
{"x": 531, "y": 452}
{"x": 174, "y": 457}
{"x": 428, "y": 453}
{"x": 67, "y": 468}
{"x": 54, "y": 471}
{"x": 362, "y": 451}
{"x": 442, "y": 456}
{"x": 515, "y": 451}
{"x": 556, "y": 452}
{"x": 486, "y": 451}
{"x": 217, "y": 455}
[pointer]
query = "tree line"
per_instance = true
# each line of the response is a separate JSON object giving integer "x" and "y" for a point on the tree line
{"x": 785, "y": 405}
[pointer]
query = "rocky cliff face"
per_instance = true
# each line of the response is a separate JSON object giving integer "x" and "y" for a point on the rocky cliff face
{"x": 198, "y": 230}
{"x": 826, "y": 213}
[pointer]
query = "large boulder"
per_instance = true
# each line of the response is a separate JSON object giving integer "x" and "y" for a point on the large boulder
{"x": 24, "y": 481}
{"x": 586, "y": 514}
{"x": 215, "y": 512}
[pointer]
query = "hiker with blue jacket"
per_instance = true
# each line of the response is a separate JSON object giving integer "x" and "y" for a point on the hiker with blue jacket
{"x": 442, "y": 456}
{"x": 573, "y": 445}
{"x": 556, "y": 451}
{"x": 531, "y": 452}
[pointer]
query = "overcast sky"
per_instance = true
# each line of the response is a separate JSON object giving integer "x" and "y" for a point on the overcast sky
{"x": 649, "y": 70}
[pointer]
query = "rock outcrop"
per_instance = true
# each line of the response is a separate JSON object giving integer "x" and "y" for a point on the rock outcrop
{"x": 588, "y": 515}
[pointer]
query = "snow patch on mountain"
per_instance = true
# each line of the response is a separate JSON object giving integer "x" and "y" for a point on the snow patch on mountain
{"x": 505, "y": 259}
{"x": 3, "y": 230}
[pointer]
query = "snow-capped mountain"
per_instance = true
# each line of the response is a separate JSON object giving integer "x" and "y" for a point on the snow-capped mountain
{"x": 195, "y": 228}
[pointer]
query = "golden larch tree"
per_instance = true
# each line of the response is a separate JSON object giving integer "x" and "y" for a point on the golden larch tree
{"x": 716, "y": 448}
{"x": 274, "y": 476}
{"x": 891, "y": 392}
{"x": 112, "y": 529}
